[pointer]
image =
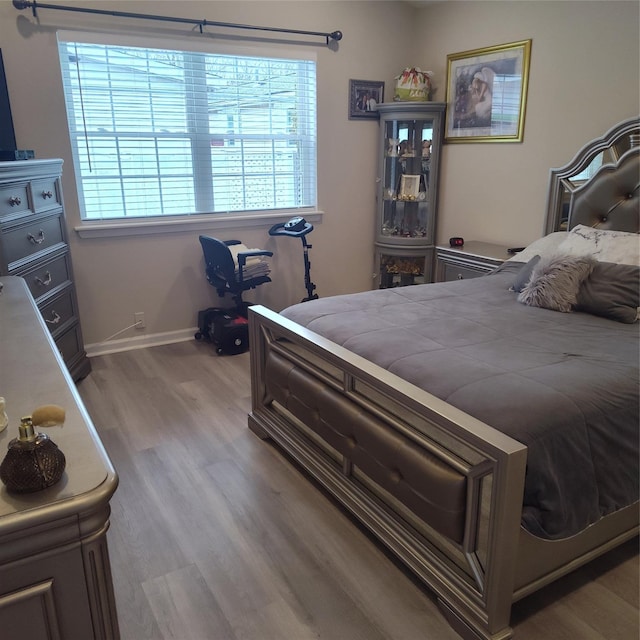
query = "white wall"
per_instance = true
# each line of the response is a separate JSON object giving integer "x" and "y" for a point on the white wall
{"x": 584, "y": 78}
{"x": 163, "y": 275}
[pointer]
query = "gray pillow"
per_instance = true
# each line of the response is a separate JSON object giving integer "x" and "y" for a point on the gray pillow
{"x": 555, "y": 282}
{"x": 611, "y": 291}
{"x": 524, "y": 275}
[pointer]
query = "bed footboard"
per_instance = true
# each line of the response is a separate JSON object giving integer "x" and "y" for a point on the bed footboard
{"x": 440, "y": 489}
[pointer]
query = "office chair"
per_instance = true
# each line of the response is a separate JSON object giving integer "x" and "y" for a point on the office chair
{"x": 229, "y": 276}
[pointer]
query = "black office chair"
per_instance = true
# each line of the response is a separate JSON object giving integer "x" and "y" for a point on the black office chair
{"x": 226, "y": 277}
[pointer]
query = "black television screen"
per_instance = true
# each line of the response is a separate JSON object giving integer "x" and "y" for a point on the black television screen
{"x": 7, "y": 134}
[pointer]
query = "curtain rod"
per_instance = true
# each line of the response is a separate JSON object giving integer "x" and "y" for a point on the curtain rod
{"x": 24, "y": 4}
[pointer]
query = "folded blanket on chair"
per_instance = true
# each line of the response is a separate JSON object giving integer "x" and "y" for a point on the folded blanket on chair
{"x": 255, "y": 266}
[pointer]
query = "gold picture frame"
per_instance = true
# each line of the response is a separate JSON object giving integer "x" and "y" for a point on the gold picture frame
{"x": 487, "y": 93}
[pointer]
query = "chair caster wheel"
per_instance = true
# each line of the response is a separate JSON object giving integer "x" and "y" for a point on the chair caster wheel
{"x": 198, "y": 335}
{"x": 219, "y": 351}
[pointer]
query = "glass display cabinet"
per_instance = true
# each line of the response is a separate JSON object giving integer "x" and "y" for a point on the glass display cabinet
{"x": 407, "y": 195}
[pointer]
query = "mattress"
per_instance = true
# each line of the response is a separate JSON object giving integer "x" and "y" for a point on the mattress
{"x": 563, "y": 384}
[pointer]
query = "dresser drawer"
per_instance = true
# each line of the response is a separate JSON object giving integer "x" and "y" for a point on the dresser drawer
{"x": 459, "y": 272}
{"x": 26, "y": 239}
{"x": 60, "y": 311}
{"x": 47, "y": 276}
{"x": 45, "y": 195}
{"x": 14, "y": 199}
{"x": 69, "y": 345}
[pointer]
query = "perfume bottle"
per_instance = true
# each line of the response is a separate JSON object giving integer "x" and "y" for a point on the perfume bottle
{"x": 33, "y": 461}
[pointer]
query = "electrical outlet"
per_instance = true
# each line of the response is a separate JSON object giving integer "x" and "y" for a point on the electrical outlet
{"x": 138, "y": 318}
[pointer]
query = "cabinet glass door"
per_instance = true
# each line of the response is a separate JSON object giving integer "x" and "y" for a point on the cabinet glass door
{"x": 406, "y": 197}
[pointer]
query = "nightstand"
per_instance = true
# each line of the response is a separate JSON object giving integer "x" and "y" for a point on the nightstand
{"x": 469, "y": 261}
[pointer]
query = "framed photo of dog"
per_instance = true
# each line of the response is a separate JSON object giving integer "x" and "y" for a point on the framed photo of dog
{"x": 487, "y": 93}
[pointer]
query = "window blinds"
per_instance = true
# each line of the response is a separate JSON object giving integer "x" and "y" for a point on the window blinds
{"x": 159, "y": 132}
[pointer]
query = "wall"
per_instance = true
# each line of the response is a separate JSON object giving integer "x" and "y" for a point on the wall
{"x": 163, "y": 275}
{"x": 584, "y": 78}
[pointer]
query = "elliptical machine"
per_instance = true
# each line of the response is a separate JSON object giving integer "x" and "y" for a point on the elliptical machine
{"x": 299, "y": 228}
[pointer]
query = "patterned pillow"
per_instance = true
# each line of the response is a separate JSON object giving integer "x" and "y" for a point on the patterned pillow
{"x": 555, "y": 282}
{"x": 545, "y": 246}
{"x": 604, "y": 245}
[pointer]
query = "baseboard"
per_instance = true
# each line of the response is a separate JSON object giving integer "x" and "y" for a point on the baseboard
{"x": 139, "y": 342}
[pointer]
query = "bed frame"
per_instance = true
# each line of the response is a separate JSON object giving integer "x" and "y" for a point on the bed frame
{"x": 442, "y": 490}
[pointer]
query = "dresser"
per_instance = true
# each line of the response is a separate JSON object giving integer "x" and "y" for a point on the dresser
{"x": 55, "y": 575}
{"x": 33, "y": 245}
{"x": 469, "y": 261}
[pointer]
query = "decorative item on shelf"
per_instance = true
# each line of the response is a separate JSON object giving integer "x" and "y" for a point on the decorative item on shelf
{"x": 409, "y": 187}
{"x": 33, "y": 461}
{"x": 413, "y": 84}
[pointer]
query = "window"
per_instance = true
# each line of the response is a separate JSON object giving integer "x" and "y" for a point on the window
{"x": 159, "y": 132}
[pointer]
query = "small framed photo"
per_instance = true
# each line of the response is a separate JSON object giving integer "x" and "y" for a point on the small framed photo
{"x": 364, "y": 98}
{"x": 409, "y": 187}
{"x": 487, "y": 93}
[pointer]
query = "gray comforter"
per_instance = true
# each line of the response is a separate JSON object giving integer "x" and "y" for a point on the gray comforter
{"x": 564, "y": 384}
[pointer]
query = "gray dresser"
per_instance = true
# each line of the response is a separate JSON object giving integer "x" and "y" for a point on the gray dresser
{"x": 33, "y": 245}
{"x": 55, "y": 573}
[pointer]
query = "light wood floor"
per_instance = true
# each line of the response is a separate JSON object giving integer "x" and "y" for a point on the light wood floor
{"x": 215, "y": 535}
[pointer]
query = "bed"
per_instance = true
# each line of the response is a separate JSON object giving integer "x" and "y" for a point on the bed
{"x": 470, "y": 425}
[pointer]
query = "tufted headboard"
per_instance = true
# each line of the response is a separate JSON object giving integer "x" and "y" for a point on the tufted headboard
{"x": 564, "y": 181}
{"x": 611, "y": 198}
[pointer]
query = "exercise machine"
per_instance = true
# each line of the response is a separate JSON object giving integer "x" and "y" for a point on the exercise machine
{"x": 299, "y": 228}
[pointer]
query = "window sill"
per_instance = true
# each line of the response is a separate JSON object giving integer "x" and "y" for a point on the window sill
{"x": 145, "y": 226}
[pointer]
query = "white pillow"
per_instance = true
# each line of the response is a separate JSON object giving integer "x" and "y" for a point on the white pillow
{"x": 604, "y": 245}
{"x": 543, "y": 247}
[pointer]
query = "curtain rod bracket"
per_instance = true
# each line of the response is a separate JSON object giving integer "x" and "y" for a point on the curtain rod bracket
{"x": 24, "y": 4}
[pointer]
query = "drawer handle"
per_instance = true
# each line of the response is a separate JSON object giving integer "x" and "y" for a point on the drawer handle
{"x": 47, "y": 280}
{"x": 47, "y": 194}
{"x": 38, "y": 240}
{"x": 56, "y": 318}
{"x": 14, "y": 201}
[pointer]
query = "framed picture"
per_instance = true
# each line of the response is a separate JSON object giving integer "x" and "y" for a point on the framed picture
{"x": 409, "y": 187}
{"x": 487, "y": 93}
{"x": 364, "y": 98}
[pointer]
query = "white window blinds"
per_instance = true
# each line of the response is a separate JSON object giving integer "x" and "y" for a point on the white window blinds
{"x": 158, "y": 132}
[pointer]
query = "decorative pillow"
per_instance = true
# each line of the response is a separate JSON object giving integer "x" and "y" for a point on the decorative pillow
{"x": 524, "y": 275}
{"x": 555, "y": 282}
{"x": 603, "y": 244}
{"x": 545, "y": 246}
{"x": 611, "y": 291}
